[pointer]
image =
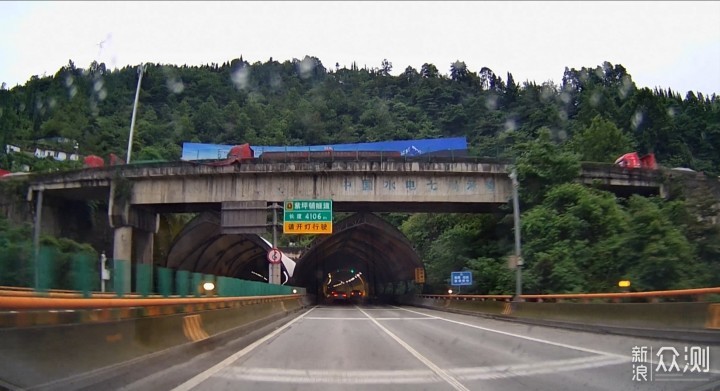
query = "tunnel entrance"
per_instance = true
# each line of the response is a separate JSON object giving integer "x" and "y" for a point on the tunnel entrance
{"x": 366, "y": 258}
{"x": 365, "y": 253}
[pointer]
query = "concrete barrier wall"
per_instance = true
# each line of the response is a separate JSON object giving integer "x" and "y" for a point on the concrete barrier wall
{"x": 692, "y": 321}
{"x": 33, "y": 356}
{"x": 652, "y": 315}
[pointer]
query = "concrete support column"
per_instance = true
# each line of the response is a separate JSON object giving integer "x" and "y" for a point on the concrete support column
{"x": 122, "y": 250}
{"x": 143, "y": 245}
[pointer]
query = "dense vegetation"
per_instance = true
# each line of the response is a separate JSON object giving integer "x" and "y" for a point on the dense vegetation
{"x": 62, "y": 263}
{"x": 574, "y": 238}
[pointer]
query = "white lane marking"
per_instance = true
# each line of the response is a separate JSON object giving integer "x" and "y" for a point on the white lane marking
{"x": 410, "y": 376}
{"x": 9, "y": 386}
{"x": 331, "y": 318}
{"x": 365, "y": 319}
{"x": 351, "y": 309}
{"x": 562, "y": 345}
{"x": 444, "y": 375}
{"x": 651, "y": 361}
{"x": 422, "y": 318}
{"x": 312, "y": 376}
{"x": 201, "y": 377}
{"x": 517, "y": 370}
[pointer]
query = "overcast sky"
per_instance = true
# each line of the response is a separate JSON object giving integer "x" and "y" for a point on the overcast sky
{"x": 663, "y": 44}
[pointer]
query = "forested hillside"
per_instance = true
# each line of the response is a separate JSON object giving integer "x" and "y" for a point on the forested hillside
{"x": 575, "y": 238}
{"x": 598, "y": 111}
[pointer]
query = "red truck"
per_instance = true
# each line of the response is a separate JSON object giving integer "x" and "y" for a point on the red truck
{"x": 633, "y": 160}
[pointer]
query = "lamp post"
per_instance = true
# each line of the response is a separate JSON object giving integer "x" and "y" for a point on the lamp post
{"x": 141, "y": 70}
{"x": 516, "y": 218}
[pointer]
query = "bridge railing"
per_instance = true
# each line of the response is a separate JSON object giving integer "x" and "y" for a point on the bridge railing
{"x": 700, "y": 294}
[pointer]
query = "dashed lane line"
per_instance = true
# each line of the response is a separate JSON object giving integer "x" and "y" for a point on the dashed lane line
{"x": 439, "y": 371}
{"x": 410, "y": 376}
{"x": 201, "y": 377}
{"x": 525, "y": 337}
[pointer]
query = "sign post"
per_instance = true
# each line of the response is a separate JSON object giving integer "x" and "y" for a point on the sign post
{"x": 308, "y": 217}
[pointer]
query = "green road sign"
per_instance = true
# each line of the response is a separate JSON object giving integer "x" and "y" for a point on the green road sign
{"x": 309, "y": 212}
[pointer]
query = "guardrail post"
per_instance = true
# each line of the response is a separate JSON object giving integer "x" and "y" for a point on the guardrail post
{"x": 143, "y": 278}
{"x": 44, "y": 269}
{"x": 164, "y": 281}
{"x": 120, "y": 276}
{"x": 82, "y": 273}
{"x": 182, "y": 282}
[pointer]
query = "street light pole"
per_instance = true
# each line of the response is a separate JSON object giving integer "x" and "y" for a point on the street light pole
{"x": 516, "y": 218}
{"x": 141, "y": 70}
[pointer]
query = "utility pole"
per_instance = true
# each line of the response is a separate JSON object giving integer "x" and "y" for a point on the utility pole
{"x": 516, "y": 218}
{"x": 141, "y": 70}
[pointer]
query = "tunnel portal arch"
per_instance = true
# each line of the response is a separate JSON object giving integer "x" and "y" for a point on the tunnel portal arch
{"x": 364, "y": 241}
{"x": 201, "y": 247}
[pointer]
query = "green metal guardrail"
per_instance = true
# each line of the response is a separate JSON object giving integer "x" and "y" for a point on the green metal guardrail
{"x": 81, "y": 273}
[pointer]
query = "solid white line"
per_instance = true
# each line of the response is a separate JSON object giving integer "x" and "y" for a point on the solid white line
{"x": 315, "y": 376}
{"x": 351, "y": 309}
{"x": 411, "y": 376}
{"x": 201, "y": 377}
{"x": 444, "y": 375}
{"x": 651, "y": 361}
{"x": 9, "y": 386}
{"x": 330, "y": 318}
{"x": 365, "y": 319}
{"x": 423, "y": 318}
{"x": 518, "y": 370}
{"x": 562, "y": 345}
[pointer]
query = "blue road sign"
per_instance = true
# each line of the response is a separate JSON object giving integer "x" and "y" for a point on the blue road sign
{"x": 460, "y": 278}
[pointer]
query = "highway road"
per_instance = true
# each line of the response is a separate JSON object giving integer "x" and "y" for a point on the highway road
{"x": 349, "y": 347}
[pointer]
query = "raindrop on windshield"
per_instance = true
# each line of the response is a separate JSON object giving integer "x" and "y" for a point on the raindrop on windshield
{"x": 565, "y": 97}
{"x": 563, "y": 115}
{"x": 240, "y": 78}
{"x": 510, "y": 125}
{"x": 491, "y": 102}
{"x": 306, "y": 67}
{"x": 637, "y": 119}
{"x": 175, "y": 86}
{"x": 98, "y": 85}
{"x": 625, "y": 88}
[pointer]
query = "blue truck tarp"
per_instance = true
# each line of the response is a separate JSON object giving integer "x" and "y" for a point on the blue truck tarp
{"x": 199, "y": 151}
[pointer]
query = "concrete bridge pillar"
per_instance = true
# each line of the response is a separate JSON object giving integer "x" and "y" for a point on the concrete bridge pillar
{"x": 122, "y": 250}
{"x": 143, "y": 246}
{"x": 133, "y": 237}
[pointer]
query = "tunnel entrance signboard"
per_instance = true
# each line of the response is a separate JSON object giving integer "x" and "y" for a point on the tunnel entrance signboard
{"x": 460, "y": 278}
{"x": 307, "y": 217}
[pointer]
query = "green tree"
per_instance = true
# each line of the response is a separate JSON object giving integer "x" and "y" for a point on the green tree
{"x": 659, "y": 254}
{"x": 542, "y": 164}
{"x": 572, "y": 240}
{"x": 602, "y": 141}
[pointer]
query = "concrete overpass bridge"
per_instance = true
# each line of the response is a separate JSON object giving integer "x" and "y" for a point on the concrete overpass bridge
{"x": 137, "y": 194}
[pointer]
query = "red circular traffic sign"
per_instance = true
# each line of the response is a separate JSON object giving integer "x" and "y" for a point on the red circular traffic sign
{"x": 274, "y": 256}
